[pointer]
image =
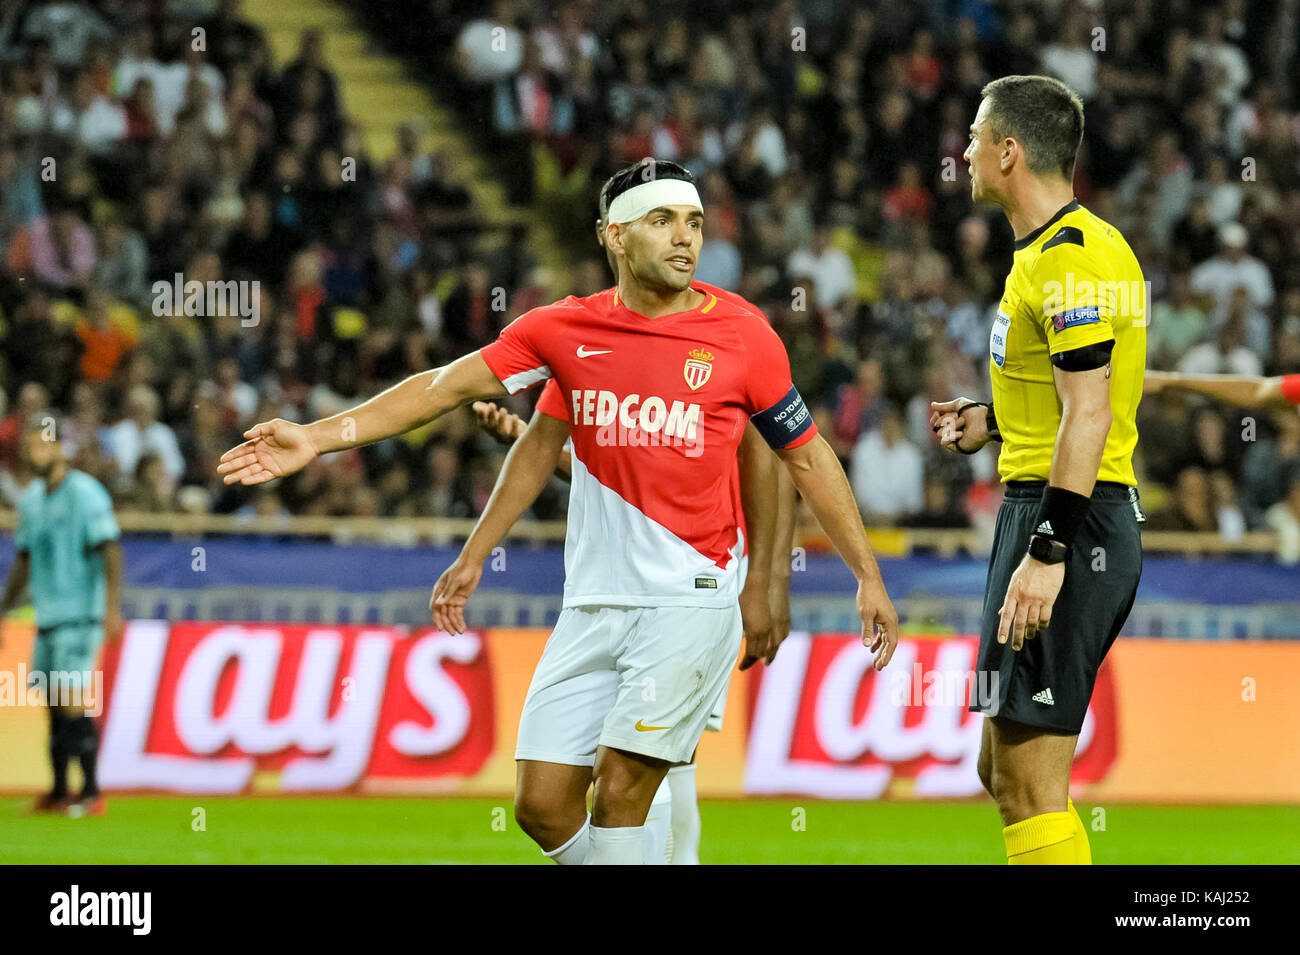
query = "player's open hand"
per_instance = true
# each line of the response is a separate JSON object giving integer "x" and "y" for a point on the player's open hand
{"x": 1031, "y": 594}
{"x": 970, "y": 429}
{"x": 879, "y": 620}
{"x": 452, "y": 592}
{"x": 756, "y": 620}
{"x": 274, "y": 449}
{"x": 499, "y": 422}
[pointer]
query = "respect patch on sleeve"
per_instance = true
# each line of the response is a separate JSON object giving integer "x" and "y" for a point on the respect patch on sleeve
{"x": 1084, "y": 315}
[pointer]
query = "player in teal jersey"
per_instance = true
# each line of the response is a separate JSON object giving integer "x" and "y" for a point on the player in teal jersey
{"x": 68, "y": 555}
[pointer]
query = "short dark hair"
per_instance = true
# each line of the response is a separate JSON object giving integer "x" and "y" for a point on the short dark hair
{"x": 1043, "y": 115}
{"x": 647, "y": 170}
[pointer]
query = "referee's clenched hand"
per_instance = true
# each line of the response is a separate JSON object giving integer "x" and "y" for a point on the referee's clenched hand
{"x": 967, "y": 432}
{"x": 1031, "y": 593}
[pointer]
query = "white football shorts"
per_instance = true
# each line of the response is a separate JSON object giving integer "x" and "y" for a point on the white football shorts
{"x": 641, "y": 679}
{"x": 714, "y": 725}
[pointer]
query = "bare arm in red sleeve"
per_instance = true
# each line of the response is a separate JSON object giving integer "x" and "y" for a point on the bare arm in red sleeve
{"x": 278, "y": 448}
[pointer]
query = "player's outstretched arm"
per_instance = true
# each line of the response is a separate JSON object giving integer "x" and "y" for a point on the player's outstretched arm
{"x": 758, "y": 499}
{"x": 278, "y": 448}
{"x": 528, "y": 466}
{"x": 1245, "y": 391}
{"x": 820, "y": 479}
{"x": 507, "y": 427}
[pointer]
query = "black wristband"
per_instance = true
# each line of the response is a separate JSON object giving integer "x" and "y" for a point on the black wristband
{"x": 1061, "y": 514}
{"x": 994, "y": 433}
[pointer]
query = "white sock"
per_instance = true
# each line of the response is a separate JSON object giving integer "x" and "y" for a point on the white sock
{"x": 686, "y": 816}
{"x": 624, "y": 845}
{"x": 659, "y": 827}
{"x": 576, "y": 850}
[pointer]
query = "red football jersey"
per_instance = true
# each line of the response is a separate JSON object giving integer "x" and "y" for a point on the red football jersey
{"x": 551, "y": 402}
{"x": 656, "y": 410}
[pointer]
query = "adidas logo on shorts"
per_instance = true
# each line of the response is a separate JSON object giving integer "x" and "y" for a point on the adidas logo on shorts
{"x": 1045, "y": 527}
{"x": 1045, "y": 697}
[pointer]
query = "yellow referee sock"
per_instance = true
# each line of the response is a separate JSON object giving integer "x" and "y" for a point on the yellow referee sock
{"x": 1082, "y": 850}
{"x": 1046, "y": 839}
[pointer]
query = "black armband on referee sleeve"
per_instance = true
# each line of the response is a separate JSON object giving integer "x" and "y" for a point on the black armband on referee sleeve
{"x": 1061, "y": 514}
{"x": 1086, "y": 358}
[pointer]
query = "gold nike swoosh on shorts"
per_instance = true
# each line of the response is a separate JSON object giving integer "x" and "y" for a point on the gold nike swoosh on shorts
{"x": 641, "y": 727}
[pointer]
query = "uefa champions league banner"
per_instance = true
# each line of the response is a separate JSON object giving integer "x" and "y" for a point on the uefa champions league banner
{"x": 271, "y": 708}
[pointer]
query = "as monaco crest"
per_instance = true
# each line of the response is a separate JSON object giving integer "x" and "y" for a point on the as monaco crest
{"x": 698, "y": 368}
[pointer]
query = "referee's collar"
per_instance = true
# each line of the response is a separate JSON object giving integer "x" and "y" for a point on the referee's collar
{"x": 1028, "y": 240}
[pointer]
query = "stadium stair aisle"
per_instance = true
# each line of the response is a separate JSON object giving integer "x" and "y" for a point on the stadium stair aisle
{"x": 376, "y": 93}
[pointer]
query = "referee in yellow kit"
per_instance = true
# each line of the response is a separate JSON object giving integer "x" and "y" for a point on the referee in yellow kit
{"x": 1067, "y": 355}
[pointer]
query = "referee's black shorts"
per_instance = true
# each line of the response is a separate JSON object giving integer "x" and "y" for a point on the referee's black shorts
{"x": 1048, "y": 682}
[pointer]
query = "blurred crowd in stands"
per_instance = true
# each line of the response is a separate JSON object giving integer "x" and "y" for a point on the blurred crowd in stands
{"x": 826, "y": 136}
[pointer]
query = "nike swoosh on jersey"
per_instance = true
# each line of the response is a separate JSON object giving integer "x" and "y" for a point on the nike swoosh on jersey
{"x": 641, "y": 727}
{"x": 584, "y": 353}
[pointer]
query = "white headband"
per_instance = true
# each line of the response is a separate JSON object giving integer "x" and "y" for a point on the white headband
{"x": 637, "y": 201}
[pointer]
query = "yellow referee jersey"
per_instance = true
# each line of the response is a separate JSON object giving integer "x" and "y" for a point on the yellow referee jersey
{"x": 1073, "y": 282}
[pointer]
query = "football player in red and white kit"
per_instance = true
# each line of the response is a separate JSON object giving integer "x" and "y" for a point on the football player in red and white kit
{"x": 549, "y": 813}
{"x": 660, "y": 379}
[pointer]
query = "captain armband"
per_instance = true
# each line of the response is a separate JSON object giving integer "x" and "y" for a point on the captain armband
{"x": 785, "y": 422}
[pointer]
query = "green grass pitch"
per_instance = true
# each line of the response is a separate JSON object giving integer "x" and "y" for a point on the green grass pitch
{"x": 159, "y": 829}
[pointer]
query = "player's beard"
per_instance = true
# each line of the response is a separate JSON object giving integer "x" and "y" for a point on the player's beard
{"x": 662, "y": 278}
{"x": 675, "y": 280}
